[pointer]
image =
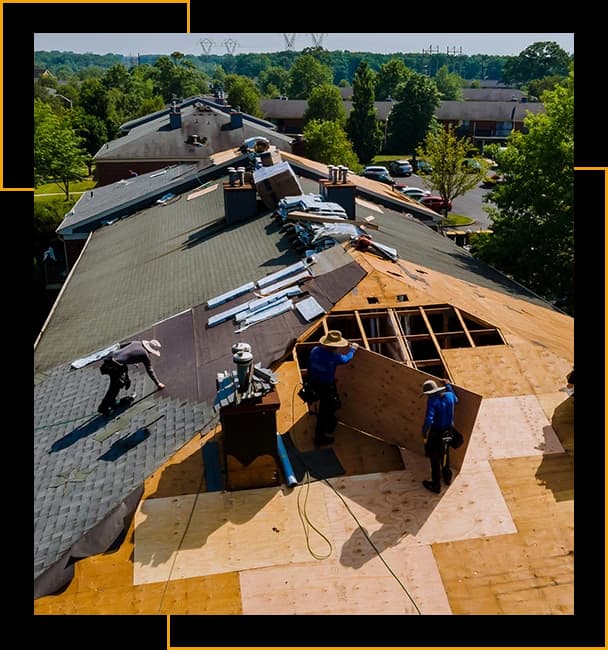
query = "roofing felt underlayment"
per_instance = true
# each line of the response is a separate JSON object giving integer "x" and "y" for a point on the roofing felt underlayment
{"x": 86, "y": 466}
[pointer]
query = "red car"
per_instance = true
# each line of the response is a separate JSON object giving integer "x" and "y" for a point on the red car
{"x": 436, "y": 203}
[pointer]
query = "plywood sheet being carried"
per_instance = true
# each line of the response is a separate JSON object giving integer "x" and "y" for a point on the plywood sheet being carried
{"x": 383, "y": 398}
{"x": 491, "y": 371}
{"x": 512, "y": 426}
{"x": 221, "y": 532}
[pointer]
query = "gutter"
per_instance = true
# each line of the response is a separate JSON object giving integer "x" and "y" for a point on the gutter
{"x": 65, "y": 284}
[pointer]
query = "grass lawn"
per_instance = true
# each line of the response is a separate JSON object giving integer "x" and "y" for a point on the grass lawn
{"x": 456, "y": 220}
{"x": 379, "y": 160}
{"x": 53, "y": 188}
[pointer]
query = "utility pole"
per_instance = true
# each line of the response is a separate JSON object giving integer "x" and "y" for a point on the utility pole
{"x": 453, "y": 53}
{"x": 317, "y": 39}
{"x": 429, "y": 67}
{"x": 206, "y": 44}
{"x": 290, "y": 40}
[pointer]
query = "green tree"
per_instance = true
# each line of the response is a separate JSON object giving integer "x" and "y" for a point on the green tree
{"x": 176, "y": 76}
{"x": 326, "y": 142}
{"x": 57, "y": 153}
{"x": 446, "y": 152}
{"x": 537, "y": 87}
{"x": 449, "y": 84}
{"x": 390, "y": 75}
{"x": 532, "y": 236}
{"x": 408, "y": 123}
{"x": 92, "y": 132}
{"x": 273, "y": 81}
{"x": 541, "y": 59}
{"x": 325, "y": 104}
{"x": 244, "y": 94}
{"x": 363, "y": 127}
{"x": 306, "y": 73}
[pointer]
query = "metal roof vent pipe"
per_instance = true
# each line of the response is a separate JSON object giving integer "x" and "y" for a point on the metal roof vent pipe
{"x": 232, "y": 176}
{"x": 343, "y": 173}
{"x": 332, "y": 173}
{"x": 241, "y": 174}
{"x": 243, "y": 359}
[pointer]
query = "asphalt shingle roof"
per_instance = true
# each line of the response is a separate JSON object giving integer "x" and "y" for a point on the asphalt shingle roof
{"x": 155, "y": 140}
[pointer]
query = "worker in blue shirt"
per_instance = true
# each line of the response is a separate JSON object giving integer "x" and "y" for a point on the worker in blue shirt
{"x": 333, "y": 351}
{"x": 436, "y": 430}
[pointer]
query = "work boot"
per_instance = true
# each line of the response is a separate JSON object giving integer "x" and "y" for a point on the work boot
{"x": 447, "y": 475}
{"x": 429, "y": 486}
{"x": 323, "y": 440}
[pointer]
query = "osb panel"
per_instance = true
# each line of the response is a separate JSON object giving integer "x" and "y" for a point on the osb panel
{"x": 332, "y": 587}
{"x": 389, "y": 403}
{"x": 263, "y": 471}
{"x": 545, "y": 371}
{"x": 491, "y": 371}
{"x": 512, "y": 426}
{"x": 472, "y": 506}
{"x": 396, "y": 510}
{"x": 384, "y": 286}
{"x": 559, "y": 409}
{"x": 227, "y": 531}
{"x": 532, "y": 571}
{"x": 103, "y": 584}
{"x": 541, "y": 325}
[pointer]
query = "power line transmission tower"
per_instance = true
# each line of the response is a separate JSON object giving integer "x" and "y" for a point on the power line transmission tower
{"x": 207, "y": 44}
{"x": 290, "y": 40}
{"x": 317, "y": 39}
{"x": 230, "y": 45}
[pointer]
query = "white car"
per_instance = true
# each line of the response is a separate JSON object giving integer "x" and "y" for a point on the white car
{"x": 414, "y": 192}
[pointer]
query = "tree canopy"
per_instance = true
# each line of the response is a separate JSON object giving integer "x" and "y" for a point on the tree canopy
{"x": 533, "y": 222}
{"x": 446, "y": 152}
{"x": 325, "y": 104}
{"x": 416, "y": 100}
{"x": 327, "y": 142}
{"x": 363, "y": 127}
{"x": 242, "y": 93}
{"x": 390, "y": 75}
{"x": 306, "y": 73}
{"x": 57, "y": 153}
{"x": 541, "y": 59}
{"x": 449, "y": 84}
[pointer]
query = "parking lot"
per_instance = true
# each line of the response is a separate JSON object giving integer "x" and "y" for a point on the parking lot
{"x": 468, "y": 205}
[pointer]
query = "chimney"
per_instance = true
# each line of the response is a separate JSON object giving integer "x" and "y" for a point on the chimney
{"x": 236, "y": 119}
{"x": 240, "y": 197}
{"x": 338, "y": 189}
{"x": 175, "y": 116}
{"x": 298, "y": 146}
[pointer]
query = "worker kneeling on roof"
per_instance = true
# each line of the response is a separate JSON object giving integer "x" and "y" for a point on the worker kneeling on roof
{"x": 333, "y": 351}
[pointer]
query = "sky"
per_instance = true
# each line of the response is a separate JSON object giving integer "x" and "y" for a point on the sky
{"x": 132, "y": 44}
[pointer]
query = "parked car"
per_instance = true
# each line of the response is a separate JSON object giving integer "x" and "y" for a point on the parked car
{"x": 400, "y": 168}
{"x": 436, "y": 203}
{"x": 414, "y": 192}
{"x": 421, "y": 166}
{"x": 378, "y": 173}
{"x": 471, "y": 165}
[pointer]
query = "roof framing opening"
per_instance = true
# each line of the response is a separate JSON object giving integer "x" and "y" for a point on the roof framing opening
{"x": 414, "y": 335}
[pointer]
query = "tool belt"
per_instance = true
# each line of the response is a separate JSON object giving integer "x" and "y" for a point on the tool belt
{"x": 116, "y": 370}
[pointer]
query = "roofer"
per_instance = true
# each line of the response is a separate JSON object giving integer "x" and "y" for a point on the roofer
{"x": 437, "y": 431}
{"x": 115, "y": 365}
{"x": 333, "y": 351}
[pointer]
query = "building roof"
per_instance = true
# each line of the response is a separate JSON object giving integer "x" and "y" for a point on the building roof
{"x": 128, "y": 195}
{"x": 155, "y": 140}
{"x": 487, "y": 111}
{"x": 170, "y": 259}
{"x": 492, "y": 94}
{"x": 285, "y": 109}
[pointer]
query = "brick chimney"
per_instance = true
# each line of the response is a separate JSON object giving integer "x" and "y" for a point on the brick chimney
{"x": 338, "y": 189}
{"x": 236, "y": 119}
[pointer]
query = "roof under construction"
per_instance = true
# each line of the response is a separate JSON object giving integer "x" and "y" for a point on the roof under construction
{"x": 358, "y": 534}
